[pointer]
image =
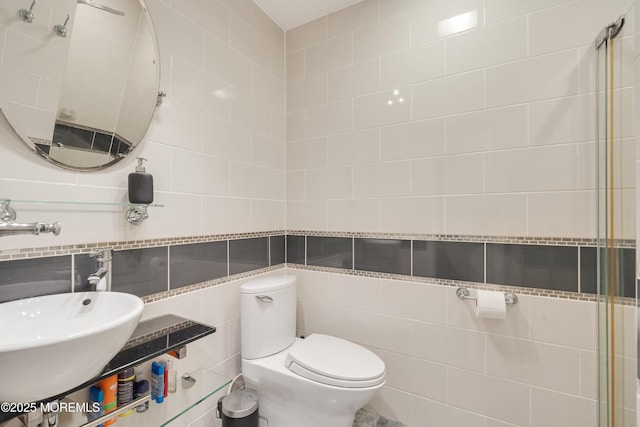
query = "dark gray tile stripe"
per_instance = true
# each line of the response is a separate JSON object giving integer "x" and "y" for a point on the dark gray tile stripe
{"x": 143, "y": 271}
{"x": 336, "y": 252}
{"x": 545, "y": 267}
{"x": 277, "y": 246}
{"x": 383, "y": 256}
{"x": 296, "y": 249}
{"x": 548, "y": 267}
{"x": 140, "y": 271}
{"x": 449, "y": 260}
{"x": 196, "y": 263}
{"x": 248, "y": 254}
{"x": 624, "y": 260}
{"x": 158, "y": 269}
{"x": 35, "y": 277}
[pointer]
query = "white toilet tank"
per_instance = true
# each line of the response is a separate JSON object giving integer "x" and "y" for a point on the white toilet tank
{"x": 267, "y": 315}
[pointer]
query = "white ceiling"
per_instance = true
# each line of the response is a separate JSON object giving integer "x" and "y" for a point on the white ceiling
{"x": 292, "y": 13}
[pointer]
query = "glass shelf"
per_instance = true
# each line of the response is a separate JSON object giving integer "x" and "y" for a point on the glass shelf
{"x": 70, "y": 203}
{"x": 136, "y": 214}
{"x": 199, "y": 396}
{"x": 152, "y": 338}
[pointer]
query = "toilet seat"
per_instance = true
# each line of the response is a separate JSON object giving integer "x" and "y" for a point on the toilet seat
{"x": 334, "y": 361}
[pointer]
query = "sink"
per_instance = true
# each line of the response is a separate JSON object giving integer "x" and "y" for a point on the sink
{"x": 53, "y": 343}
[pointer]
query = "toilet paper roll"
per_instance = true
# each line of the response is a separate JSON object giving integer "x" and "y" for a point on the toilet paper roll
{"x": 490, "y": 305}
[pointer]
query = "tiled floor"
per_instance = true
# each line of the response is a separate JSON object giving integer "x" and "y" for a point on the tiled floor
{"x": 366, "y": 417}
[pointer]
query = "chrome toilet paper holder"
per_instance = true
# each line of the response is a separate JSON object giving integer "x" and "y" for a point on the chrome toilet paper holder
{"x": 509, "y": 297}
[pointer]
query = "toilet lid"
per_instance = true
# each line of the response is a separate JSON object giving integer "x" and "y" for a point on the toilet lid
{"x": 334, "y": 361}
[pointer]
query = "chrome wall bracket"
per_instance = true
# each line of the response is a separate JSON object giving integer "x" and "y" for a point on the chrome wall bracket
{"x": 610, "y": 31}
{"x": 61, "y": 30}
{"x": 7, "y": 214}
{"x": 509, "y": 297}
{"x": 137, "y": 214}
{"x": 161, "y": 96}
{"x": 27, "y": 15}
{"x": 8, "y": 226}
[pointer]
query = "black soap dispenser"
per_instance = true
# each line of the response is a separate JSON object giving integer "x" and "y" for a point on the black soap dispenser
{"x": 140, "y": 184}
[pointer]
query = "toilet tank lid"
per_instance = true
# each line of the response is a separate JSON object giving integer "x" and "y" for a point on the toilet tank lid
{"x": 267, "y": 284}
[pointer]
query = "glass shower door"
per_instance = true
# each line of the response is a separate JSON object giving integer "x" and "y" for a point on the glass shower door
{"x": 610, "y": 228}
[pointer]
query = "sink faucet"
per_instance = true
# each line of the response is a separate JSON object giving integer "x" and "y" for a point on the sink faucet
{"x": 101, "y": 279}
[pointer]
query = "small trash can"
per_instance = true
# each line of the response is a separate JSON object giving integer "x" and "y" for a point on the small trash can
{"x": 239, "y": 409}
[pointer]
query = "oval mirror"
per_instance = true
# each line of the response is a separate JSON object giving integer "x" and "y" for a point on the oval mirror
{"x": 79, "y": 79}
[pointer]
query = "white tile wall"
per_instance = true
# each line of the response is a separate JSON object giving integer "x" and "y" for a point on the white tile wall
{"x": 518, "y": 96}
{"x": 497, "y": 138}
{"x": 447, "y": 367}
{"x": 216, "y": 145}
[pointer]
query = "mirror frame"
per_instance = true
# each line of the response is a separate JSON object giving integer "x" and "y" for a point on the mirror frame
{"x": 33, "y": 146}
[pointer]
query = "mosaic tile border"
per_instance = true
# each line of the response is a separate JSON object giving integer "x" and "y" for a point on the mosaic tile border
{"x": 576, "y": 296}
{"x": 520, "y": 240}
{"x": 85, "y": 248}
{"x": 37, "y": 252}
{"x": 470, "y": 285}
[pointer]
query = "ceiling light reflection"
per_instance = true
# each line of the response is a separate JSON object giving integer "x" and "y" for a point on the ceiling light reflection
{"x": 396, "y": 96}
{"x": 458, "y": 23}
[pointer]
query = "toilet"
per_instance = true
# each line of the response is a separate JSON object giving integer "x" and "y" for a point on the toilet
{"x": 312, "y": 382}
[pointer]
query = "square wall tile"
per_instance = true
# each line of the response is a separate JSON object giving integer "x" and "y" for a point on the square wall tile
{"x": 552, "y": 408}
{"x": 381, "y": 180}
{"x": 449, "y": 346}
{"x": 423, "y": 215}
{"x": 196, "y": 263}
{"x": 431, "y": 21}
{"x": 353, "y": 214}
{"x": 390, "y": 35}
{"x": 477, "y": 49}
{"x": 383, "y": 108}
{"x": 140, "y": 271}
{"x": 349, "y": 149}
{"x": 248, "y": 254}
{"x": 359, "y": 15}
{"x": 306, "y": 35}
{"x": 34, "y": 277}
{"x": 356, "y": 80}
{"x": 411, "y": 66}
{"x": 547, "y": 267}
{"x": 449, "y": 260}
{"x": 383, "y": 255}
{"x": 487, "y": 395}
{"x": 328, "y": 55}
{"x": 542, "y": 77}
{"x": 433, "y": 98}
{"x": 488, "y": 130}
{"x": 336, "y": 252}
{"x": 413, "y": 140}
{"x": 488, "y": 214}
{"x": 555, "y": 367}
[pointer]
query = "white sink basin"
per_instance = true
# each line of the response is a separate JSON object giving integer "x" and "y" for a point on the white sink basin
{"x": 53, "y": 343}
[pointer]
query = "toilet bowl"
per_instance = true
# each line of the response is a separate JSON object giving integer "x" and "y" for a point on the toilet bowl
{"x": 317, "y": 381}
